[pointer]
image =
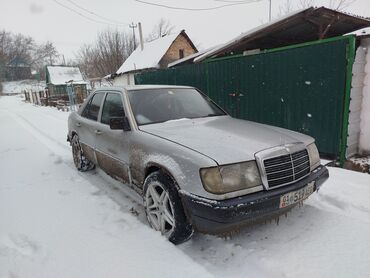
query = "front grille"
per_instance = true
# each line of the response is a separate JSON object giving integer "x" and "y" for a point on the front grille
{"x": 287, "y": 168}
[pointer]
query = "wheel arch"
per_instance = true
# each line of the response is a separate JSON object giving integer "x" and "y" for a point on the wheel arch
{"x": 156, "y": 167}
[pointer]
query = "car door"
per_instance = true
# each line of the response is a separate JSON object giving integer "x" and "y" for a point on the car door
{"x": 112, "y": 146}
{"x": 86, "y": 125}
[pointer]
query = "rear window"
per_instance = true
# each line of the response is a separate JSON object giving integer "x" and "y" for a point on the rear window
{"x": 91, "y": 110}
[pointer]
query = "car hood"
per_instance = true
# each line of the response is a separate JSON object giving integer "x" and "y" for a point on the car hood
{"x": 225, "y": 139}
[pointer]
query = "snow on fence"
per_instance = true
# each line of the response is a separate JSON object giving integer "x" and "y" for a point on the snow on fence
{"x": 354, "y": 126}
{"x": 364, "y": 146}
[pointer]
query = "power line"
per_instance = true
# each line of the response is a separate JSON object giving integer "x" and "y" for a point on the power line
{"x": 231, "y": 3}
{"x": 97, "y": 15}
{"x": 84, "y": 16}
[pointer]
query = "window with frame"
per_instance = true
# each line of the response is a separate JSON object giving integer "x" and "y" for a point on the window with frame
{"x": 91, "y": 110}
{"x": 112, "y": 108}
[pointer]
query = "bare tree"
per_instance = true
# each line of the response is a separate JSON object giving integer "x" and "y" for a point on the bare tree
{"x": 306, "y": 4}
{"x": 19, "y": 50}
{"x": 106, "y": 54}
{"x": 340, "y": 5}
{"x": 288, "y": 5}
{"x": 162, "y": 28}
{"x": 285, "y": 8}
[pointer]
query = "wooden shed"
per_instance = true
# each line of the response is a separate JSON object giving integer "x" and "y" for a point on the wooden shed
{"x": 58, "y": 77}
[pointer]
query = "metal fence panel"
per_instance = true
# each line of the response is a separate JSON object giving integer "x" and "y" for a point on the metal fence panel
{"x": 300, "y": 88}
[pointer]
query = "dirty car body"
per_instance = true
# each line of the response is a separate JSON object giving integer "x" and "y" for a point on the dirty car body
{"x": 226, "y": 171}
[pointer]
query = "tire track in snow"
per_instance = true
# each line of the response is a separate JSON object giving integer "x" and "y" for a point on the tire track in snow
{"x": 105, "y": 184}
{"x": 50, "y": 142}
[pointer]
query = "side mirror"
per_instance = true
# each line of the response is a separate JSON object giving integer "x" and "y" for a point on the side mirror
{"x": 119, "y": 123}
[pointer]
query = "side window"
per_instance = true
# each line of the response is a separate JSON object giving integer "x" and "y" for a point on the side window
{"x": 86, "y": 109}
{"x": 92, "y": 109}
{"x": 113, "y": 107}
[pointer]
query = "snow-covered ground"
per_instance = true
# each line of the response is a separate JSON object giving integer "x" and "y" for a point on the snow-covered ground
{"x": 16, "y": 87}
{"x": 57, "y": 222}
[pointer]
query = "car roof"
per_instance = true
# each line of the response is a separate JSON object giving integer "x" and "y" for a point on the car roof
{"x": 141, "y": 87}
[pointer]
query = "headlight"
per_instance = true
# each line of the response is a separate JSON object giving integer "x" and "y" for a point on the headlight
{"x": 229, "y": 178}
{"x": 314, "y": 156}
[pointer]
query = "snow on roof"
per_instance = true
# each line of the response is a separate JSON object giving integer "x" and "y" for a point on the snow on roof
{"x": 190, "y": 57}
{"x": 59, "y": 75}
{"x": 362, "y": 32}
{"x": 150, "y": 56}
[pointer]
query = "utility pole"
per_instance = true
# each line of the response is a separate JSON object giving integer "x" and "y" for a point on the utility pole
{"x": 270, "y": 10}
{"x": 133, "y": 26}
{"x": 141, "y": 37}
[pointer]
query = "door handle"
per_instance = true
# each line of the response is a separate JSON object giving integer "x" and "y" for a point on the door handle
{"x": 78, "y": 124}
{"x": 98, "y": 132}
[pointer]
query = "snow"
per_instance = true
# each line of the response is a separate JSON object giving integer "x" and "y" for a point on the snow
{"x": 150, "y": 56}
{"x": 362, "y": 161}
{"x": 58, "y": 222}
{"x": 17, "y": 87}
{"x": 59, "y": 75}
{"x": 362, "y": 32}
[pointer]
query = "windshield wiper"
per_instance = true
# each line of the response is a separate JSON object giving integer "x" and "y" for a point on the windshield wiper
{"x": 211, "y": 115}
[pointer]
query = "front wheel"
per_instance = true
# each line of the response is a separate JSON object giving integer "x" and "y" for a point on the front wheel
{"x": 164, "y": 209}
{"x": 81, "y": 162}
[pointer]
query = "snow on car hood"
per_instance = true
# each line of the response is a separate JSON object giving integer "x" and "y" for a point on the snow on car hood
{"x": 225, "y": 139}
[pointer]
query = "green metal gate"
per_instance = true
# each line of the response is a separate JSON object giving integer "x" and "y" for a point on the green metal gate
{"x": 303, "y": 87}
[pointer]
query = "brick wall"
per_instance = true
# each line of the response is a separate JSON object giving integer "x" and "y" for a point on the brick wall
{"x": 173, "y": 52}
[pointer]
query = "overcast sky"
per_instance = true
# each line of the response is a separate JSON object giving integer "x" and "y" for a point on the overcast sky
{"x": 47, "y": 20}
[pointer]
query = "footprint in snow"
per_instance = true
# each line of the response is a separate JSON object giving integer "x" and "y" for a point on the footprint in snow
{"x": 64, "y": 192}
{"x": 20, "y": 244}
{"x": 58, "y": 160}
{"x": 334, "y": 202}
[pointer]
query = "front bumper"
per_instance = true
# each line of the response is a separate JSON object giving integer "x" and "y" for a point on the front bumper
{"x": 214, "y": 217}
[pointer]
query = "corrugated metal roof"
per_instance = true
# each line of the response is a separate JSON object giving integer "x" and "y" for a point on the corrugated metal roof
{"x": 302, "y": 26}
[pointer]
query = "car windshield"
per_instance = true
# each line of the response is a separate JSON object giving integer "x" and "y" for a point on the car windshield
{"x": 162, "y": 105}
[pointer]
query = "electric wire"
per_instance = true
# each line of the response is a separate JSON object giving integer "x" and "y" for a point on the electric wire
{"x": 86, "y": 17}
{"x": 231, "y": 3}
{"x": 97, "y": 15}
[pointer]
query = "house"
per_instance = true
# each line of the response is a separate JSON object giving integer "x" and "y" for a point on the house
{"x": 58, "y": 77}
{"x": 302, "y": 72}
{"x": 17, "y": 69}
{"x": 155, "y": 54}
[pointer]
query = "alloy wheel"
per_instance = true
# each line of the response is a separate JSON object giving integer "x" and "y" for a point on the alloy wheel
{"x": 159, "y": 209}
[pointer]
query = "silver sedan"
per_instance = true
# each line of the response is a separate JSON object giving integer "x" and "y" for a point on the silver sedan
{"x": 196, "y": 167}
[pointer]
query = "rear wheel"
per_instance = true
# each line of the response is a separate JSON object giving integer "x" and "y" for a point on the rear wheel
{"x": 164, "y": 209}
{"x": 81, "y": 162}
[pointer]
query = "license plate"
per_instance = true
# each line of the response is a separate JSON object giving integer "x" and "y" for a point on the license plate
{"x": 296, "y": 196}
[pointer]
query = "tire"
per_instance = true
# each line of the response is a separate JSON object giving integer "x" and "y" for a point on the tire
{"x": 81, "y": 162}
{"x": 164, "y": 209}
